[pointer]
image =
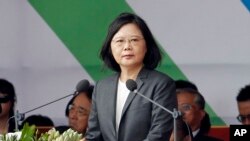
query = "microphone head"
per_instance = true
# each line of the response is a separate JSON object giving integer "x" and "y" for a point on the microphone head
{"x": 82, "y": 86}
{"x": 131, "y": 84}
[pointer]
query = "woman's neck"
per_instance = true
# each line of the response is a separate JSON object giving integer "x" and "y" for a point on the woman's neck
{"x": 3, "y": 125}
{"x": 129, "y": 73}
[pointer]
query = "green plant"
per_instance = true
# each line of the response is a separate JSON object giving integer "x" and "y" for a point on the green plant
{"x": 29, "y": 133}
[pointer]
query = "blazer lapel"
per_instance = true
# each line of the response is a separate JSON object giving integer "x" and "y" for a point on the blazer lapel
{"x": 139, "y": 81}
{"x": 110, "y": 96}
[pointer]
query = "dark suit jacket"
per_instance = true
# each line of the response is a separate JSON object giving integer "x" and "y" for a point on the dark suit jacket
{"x": 140, "y": 120}
{"x": 202, "y": 137}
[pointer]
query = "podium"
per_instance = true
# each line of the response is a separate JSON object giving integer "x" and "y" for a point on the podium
{"x": 221, "y": 132}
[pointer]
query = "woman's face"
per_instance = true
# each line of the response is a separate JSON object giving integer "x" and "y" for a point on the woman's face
{"x": 79, "y": 113}
{"x": 6, "y": 106}
{"x": 128, "y": 46}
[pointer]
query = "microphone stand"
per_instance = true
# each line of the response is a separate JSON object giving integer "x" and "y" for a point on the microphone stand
{"x": 20, "y": 116}
{"x": 175, "y": 114}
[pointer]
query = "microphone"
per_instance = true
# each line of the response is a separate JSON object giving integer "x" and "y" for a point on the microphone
{"x": 132, "y": 86}
{"x": 81, "y": 86}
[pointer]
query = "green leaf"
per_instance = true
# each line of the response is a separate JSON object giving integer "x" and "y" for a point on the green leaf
{"x": 28, "y": 133}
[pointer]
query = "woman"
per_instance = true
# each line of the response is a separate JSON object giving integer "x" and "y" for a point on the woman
{"x": 117, "y": 114}
{"x": 7, "y": 104}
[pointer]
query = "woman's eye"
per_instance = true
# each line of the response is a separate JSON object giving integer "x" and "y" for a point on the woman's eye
{"x": 120, "y": 41}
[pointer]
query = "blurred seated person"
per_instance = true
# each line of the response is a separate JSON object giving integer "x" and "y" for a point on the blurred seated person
{"x": 192, "y": 105}
{"x": 7, "y": 106}
{"x": 183, "y": 130}
{"x": 77, "y": 111}
{"x": 38, "y": 121}
{"x": 243, "y": 101}
{"x": 205, "y": 122}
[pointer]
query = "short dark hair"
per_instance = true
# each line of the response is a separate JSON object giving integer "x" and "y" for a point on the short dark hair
{"x": 7, "y": 88}
{"x": 88, "y": 93}
{"x": 199, "y": 99}
{"x": 153, "y": 55}
{"x": 38, "y": 120}
{"x": 180, "y": 84}
{"x": 244, "y": 94}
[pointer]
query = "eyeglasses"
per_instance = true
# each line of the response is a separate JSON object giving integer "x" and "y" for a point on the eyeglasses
{"x": 4, "y": 99}
{"x": 185, "y": 107}
{"x": 79, "y": 110}
{"x": 243, "y": 118}
{"x": 134, "y": 41}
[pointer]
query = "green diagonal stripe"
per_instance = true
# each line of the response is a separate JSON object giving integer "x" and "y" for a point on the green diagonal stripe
{"x": 82, "y": 25}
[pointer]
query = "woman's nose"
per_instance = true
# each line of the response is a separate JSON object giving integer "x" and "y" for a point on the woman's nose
{"x": 127, "y": 46}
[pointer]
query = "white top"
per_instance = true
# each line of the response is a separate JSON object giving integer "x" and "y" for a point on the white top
{"x": 195, "y": 132}
{"x": 122, "y": 95}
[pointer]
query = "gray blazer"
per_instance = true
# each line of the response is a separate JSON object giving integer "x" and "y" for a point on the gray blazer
{"x": 141, "y": 120}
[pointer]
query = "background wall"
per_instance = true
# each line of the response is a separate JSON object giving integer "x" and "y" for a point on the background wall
{"x": 47, "y": 47}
